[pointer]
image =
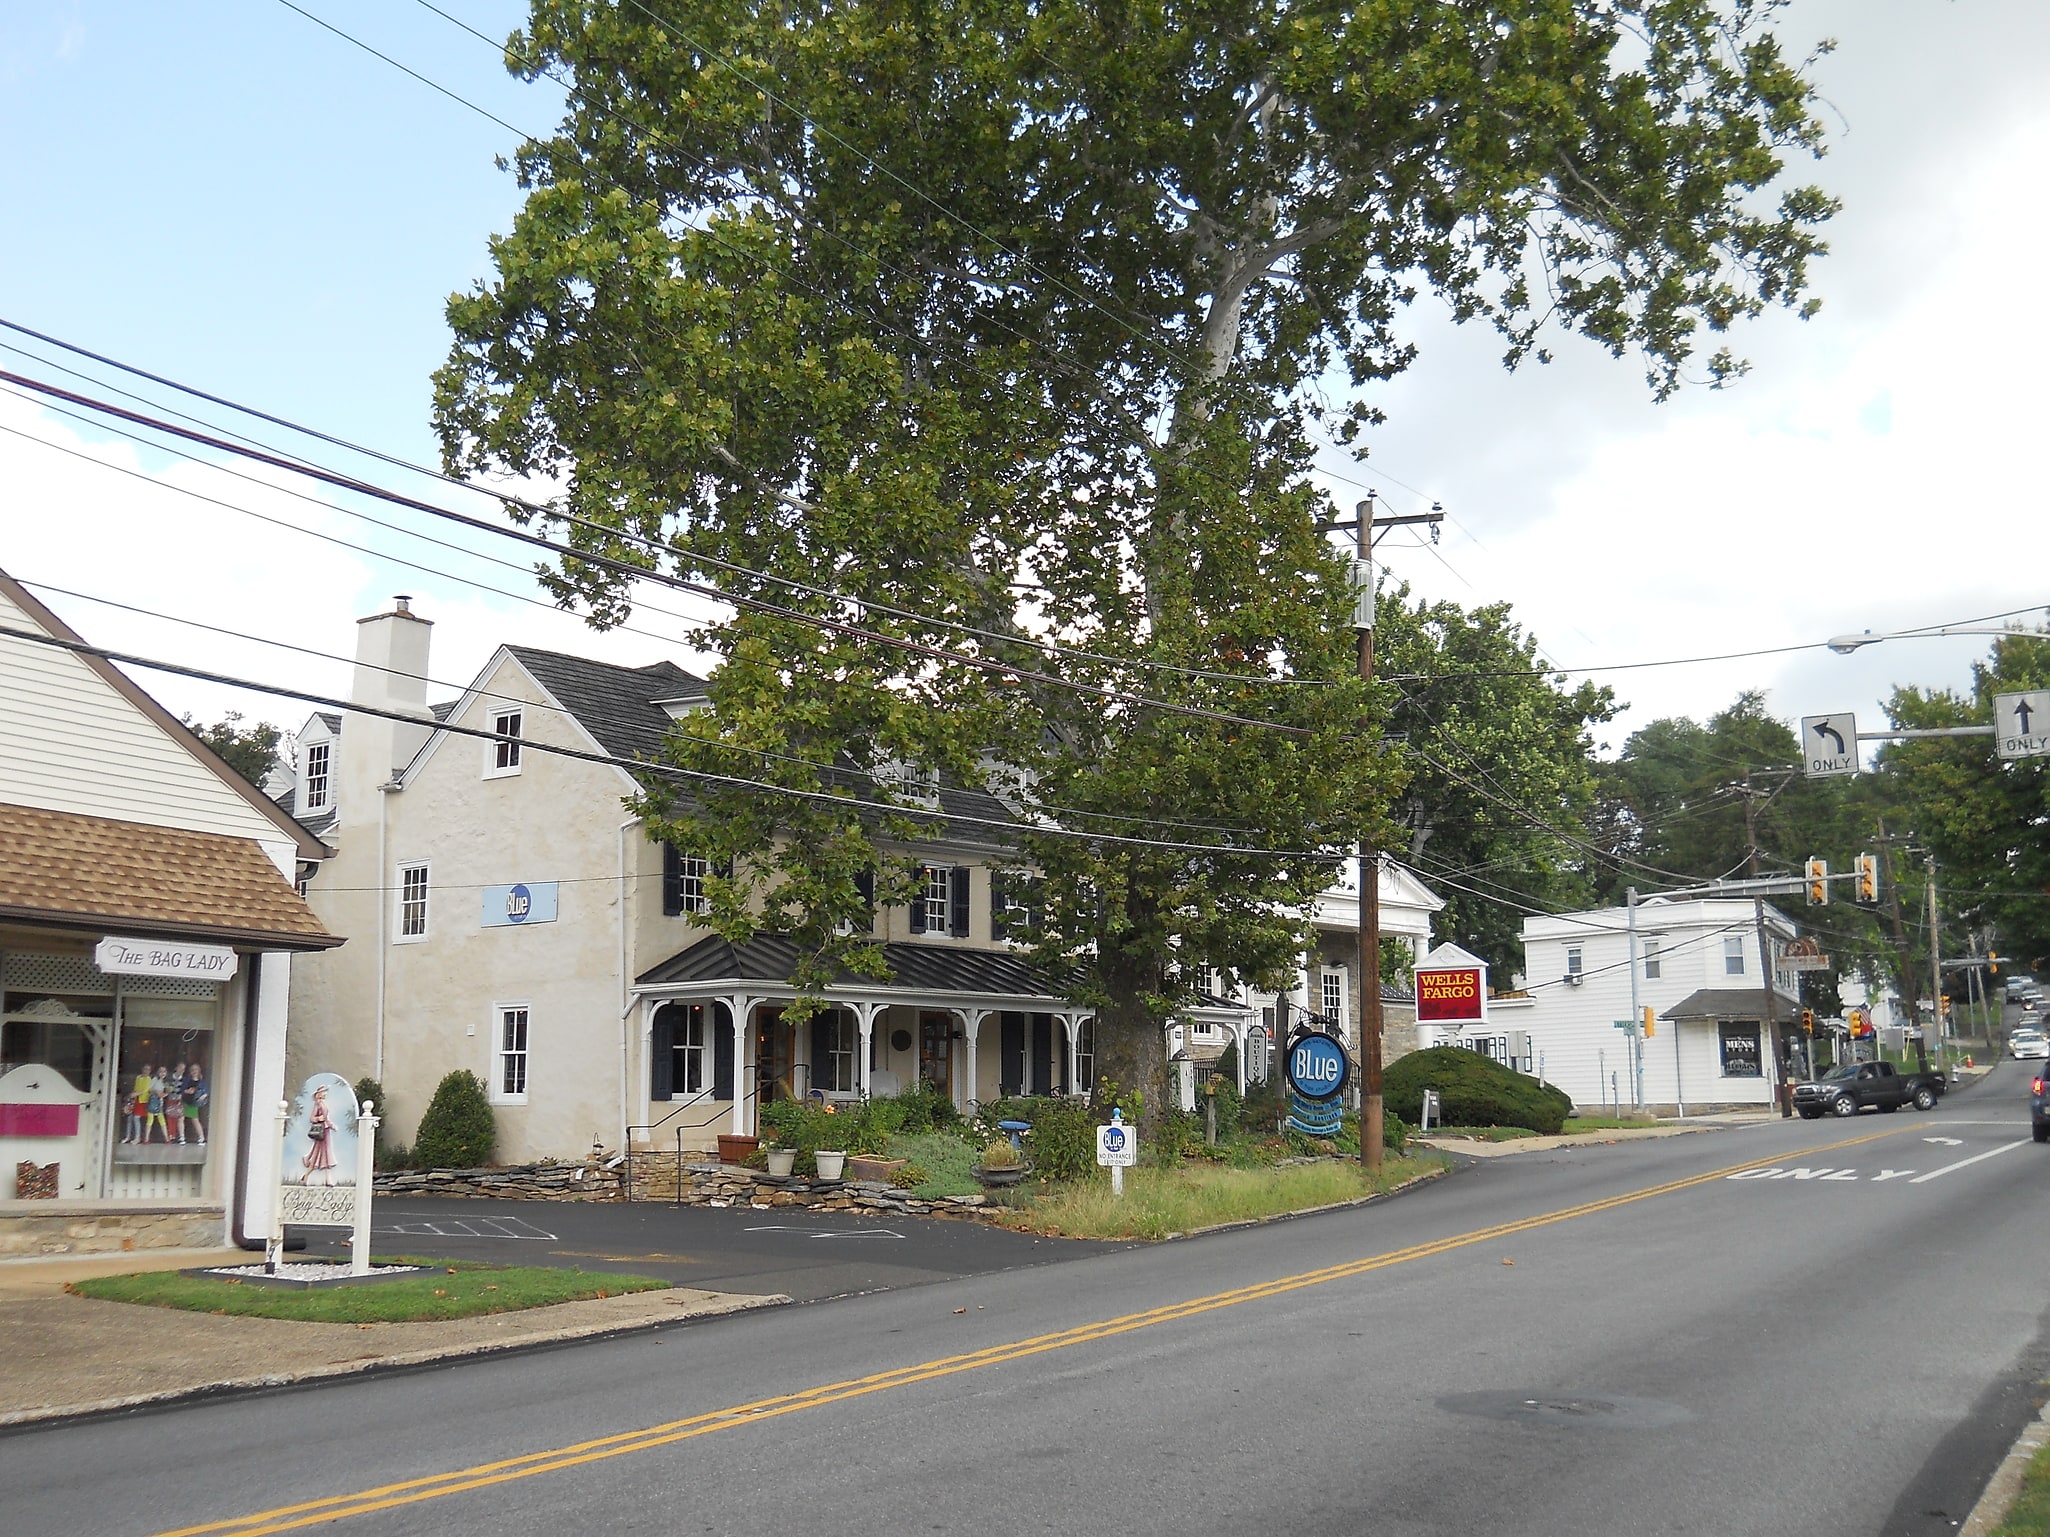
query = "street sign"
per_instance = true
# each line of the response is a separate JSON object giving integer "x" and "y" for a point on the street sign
{"x": 1117, "y": 1146}
{"x": 2021, "y": 724}
{"x": 1829, "y": 745}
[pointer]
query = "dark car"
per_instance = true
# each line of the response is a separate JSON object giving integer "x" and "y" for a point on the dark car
{"x": 1855, "y": 1086}
{"x": 2039, "y": 1109}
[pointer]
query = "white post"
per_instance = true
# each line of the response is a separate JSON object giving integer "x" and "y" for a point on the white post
{"x": 1069, "y": 1039}
{"x": 971, "y": 1022}
{"x": 865, "y": 1026}
{"x": 366, "y": 1171}
{"x": 274, "y": 1229}
{"x": 737, "y": 1008}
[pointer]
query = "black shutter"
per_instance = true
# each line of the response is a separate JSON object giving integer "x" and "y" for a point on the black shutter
{"x": 999, "y": 927}
{"x": 723, "y": 869}
{"x": 865, "y": 888}
{"x": 661, "y": 1053}
{"x": 918, "y": 901}
{"x": 822, "y": 1033}
{"x": 958, "y": 914}
{"x": 1011, "y": 1055}
{"x": 722, "y": 1051}
{"x": 1042, "y": 1055}
{"x": 672, "y": 881}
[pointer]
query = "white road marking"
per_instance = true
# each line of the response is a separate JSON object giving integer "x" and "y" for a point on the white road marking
{"x": 830, "y": 1232}
{"x": 1887, "y": 1174}
{"x": 1946, "y": 1141}
{"x": 455, "y": 1227}
{"x": 2006, "y": 1147}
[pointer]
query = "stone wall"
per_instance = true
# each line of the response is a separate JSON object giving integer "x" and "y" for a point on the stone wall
{"x": 514, "y": 1182}
{"x": 78, "y": 1227}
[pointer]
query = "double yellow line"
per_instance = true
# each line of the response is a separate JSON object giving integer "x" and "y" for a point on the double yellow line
{"x": 285, "y": 1518}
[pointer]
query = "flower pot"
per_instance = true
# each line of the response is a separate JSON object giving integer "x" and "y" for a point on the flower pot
{"x": 998, "y": 1179}
{"x": 874, "y": 1171}
{"x": 782, "y": 1161}
{"x": 831, "y": 1165}
{"x": 737, "y": 1149}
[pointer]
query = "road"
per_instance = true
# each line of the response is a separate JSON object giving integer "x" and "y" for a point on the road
{"x": 1814, "y": 1327}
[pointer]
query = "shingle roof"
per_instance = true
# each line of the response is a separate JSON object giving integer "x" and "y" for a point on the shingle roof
{"x": 615, "y": 704}
{"x": 154, "y": 882}
{"x": 1745, "y": 1003}
{"x": 933, "y": 968}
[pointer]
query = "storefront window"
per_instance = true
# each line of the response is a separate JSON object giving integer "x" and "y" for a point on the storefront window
{"x": 1741, "y": 1056}
{"x": 164, "y": 1081}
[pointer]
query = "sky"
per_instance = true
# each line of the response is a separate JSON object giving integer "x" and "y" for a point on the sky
{"x": 226, "y": 193}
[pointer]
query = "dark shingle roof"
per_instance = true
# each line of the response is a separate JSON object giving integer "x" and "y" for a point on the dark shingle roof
{"x": 933, "y": 968}
{"x": 1736, "y": 1003}
{"x": 615, "y": 704}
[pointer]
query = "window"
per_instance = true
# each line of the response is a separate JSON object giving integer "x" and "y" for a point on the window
{"x": 316, "y": 776}
{"x": 940, "y": 905}
{"x": 837, "y": 1074}
{"x": 510, "y": 1081}
{"x": 680, "y": 1030}
{"x": 1741, "y": 1057}
{"x": 1574, "y": 964}
{"x": 683, "y": 882}
{"x": 1652, "y": 959}
{"x": 939, "y": 897}
{"x": 1085, "y": 1057}
{"x": 1733, "y": 955}
{"x": 1333, "y": 998}
{"x": 412, "y": 902}
{"x": 1014, "y": 901}
{"x": 503, "y": 755}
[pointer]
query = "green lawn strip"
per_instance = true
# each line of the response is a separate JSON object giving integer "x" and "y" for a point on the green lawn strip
{"x": 1158, "y": 1203}
{"x": 442, "y": 1292}
{"x": 2029, "y": 1515}
{"x": 1575, "y": 1123}
{"x": 1481, "y": 1133}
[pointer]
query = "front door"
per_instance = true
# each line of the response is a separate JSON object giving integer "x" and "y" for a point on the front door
{"x": 775, "y": 1056}
{"x": 936, "y": 1051}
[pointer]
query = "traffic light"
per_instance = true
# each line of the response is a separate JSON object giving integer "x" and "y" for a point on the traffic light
{"x": 1818, "y": 883}
{"x": 1993, "y": 965}
{"x": 1650, "y": 1021}
{"x": 1808, "y": 1021}
{"x": 1867, "y": 883}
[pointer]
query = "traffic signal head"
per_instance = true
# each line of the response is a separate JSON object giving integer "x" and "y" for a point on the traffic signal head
{"x": 1867, "y": 883}
{"x": 1808, "y": 1020}
{"x": 1818, "y": 882}
{"x": 1650, "y": 1021}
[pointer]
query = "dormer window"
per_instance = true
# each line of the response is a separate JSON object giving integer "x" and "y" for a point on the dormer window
{"x": 903, "y": 781}
{"x": 502, "y": 756}
{"x": 316, "y": 776}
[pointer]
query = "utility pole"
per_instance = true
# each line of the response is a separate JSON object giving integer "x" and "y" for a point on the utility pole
{"x": 1900, "y": 938}
{"x": 1782, "y": 1092}
{"x": 1935, "y": 963}
{"x": 1371, "y": 1115}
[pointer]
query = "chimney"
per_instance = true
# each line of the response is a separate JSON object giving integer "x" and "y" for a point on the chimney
{"x": 391, "y": 675}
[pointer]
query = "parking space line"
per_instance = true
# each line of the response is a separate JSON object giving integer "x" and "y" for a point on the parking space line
{"x": 2005, "y": 1147}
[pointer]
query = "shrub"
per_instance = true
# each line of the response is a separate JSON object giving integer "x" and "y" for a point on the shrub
{"x": 1225, "y": 1094}
{"x": 1395, "y": 1131}
{"x": 370, "y": 1092}
{"x": 458, "y": 1131}
{"x": 998, "y": 1153}
{"x": 1473, "y": 1090}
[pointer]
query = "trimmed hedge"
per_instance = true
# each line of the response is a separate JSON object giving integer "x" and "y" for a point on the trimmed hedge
{"x": 459, "y": 1130}
{"x": 1473, "y": 1090}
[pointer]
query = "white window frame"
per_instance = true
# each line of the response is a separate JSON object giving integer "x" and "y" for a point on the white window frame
{"x": 502, "y": 1051}
{"x": 690, "y": 1055}
{"x": 502, "y": 752}
{"x": 690, "y": 885}
{"x": 402, "y": 898}
{"x": 1576, "y": 961}
{"x": 319, "y": 781}
{"x": 1734, "y": 964}
{"x": 1333, "y": 989}
{"x": 1085, "y": 1057}
{"x": 1654, "y": 957}
{"x": 938, "y": 898}
{"x": 839, "y": 1075}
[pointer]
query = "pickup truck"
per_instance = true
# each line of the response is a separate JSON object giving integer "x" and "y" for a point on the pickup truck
{"x": 1855, "y": 1086}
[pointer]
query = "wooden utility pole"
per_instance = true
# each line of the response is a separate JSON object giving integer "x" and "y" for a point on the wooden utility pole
{"x": 1935, "y": 965}
{"x": 1900, "y": 939}
{"x": 1371, "y": 1113}
{"x": 1782, "y": 1091}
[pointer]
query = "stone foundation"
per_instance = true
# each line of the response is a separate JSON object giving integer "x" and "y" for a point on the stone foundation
{"x": 514, "y": 1182}
{"x": 96, "y": 1227}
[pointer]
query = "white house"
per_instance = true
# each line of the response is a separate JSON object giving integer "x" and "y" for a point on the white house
{"x": 1695, "y": 963}
{"x": 148, "y": 921}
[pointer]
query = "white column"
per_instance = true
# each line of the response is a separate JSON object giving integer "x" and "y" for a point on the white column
{"x": 1240, "y": 1036}
{"x": 865, "y": 1026}
{"x": 264, "y": 1037}
{"x": 971, "y": 1020}
{"x": 738, "y": 1006}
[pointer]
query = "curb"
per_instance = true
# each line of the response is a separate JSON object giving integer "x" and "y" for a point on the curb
{"x": 2006, "y": 1482}
{"x": 411, "y": 1360}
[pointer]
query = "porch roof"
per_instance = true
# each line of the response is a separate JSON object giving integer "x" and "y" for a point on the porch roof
{"x": 1745, "y": 1003}
{"x": 933, "y": 968}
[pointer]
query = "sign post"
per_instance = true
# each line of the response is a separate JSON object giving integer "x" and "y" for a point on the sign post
{"x": 1117, "y": 1149}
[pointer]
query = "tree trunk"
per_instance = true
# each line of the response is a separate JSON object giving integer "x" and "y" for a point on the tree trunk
{"x": 1131, "y": 1052}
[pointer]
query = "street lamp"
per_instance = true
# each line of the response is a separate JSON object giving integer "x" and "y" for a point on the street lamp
{"x": 1844, "y": 645}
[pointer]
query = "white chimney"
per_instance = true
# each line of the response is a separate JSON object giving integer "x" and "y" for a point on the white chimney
{"x": 391, "y": 675}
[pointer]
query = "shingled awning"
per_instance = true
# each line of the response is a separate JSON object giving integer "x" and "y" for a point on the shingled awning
{"x": 770, "y": 959}
{"x": 1745, "y": 1003}
{"x": 93, "y": 873}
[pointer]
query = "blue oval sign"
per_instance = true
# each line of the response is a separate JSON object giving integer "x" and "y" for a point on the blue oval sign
{"x": 1317, "y": 1067}
{"x": 519, "y": 904}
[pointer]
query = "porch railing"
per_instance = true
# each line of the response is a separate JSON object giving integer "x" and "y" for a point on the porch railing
{"x": 680, "y": 1128}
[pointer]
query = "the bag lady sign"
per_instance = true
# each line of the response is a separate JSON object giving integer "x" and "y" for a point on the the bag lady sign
{"x": 326, "y": 1144}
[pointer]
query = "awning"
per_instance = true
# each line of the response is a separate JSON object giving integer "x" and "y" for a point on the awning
{"x": 769, "y": 960}
{"x": 1745, "y": 1003}
{"x": 62, "y": 869}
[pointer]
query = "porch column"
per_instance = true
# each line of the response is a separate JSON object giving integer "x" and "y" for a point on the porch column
{"x": 739, "y": 1006}
{"x": 1240, "y": 1036}
{"x": 1072, "y": 1037}
{"x": 971, "y": 1020}
{"x": 865, "y": 1027}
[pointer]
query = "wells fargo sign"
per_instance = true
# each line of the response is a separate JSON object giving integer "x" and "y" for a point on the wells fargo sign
{"x": 1450, "y": 997}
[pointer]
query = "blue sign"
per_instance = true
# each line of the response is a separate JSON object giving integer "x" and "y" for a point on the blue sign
{"x": 1318, "y": 1067}
{"x": 1315, "y": 1117}
{"x": 511, "y": 906}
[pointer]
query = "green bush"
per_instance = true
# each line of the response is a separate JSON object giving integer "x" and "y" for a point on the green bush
{"x": 1230, "y": 1108}
{"x": 1473, "y": 1090}
{"x": 1062, "y": 1142}
{"x": 1395, "y": 1132}
{"x": 370, "y": 1092}
{"x": 458, "y": 1131}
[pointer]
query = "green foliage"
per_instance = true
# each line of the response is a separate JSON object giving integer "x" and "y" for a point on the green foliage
{"x": 1395, "y": 1131}
{"x": 1225, "y": 1096}
{"x": 370, "y": 1092}
{"x": 249, "y": 750}
{"x": 443, "y": 1292}
{"x": 943, "y": 1160}
{"x": 1473, "y": 1090}
{"x": 719, "y": 327}
{"x": 459, "y": 1130}
{"x": 1062, "y": 1141}
{"x": 997, "y": 1153}
{"x": 392, "y": 1157}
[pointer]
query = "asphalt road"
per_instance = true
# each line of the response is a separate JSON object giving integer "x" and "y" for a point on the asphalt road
{"x": 806, "y": 1255}
{"x": 1813, "y": 1327}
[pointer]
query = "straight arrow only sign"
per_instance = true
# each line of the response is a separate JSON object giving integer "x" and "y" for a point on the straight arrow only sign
{"x": 2021, "y": 724}
{"x": 1829, "y": 744}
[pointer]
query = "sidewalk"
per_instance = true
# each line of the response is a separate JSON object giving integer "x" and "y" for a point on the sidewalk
{"x": 69, "y": 1355}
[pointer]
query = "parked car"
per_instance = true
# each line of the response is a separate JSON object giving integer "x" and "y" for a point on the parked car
{"x": 2026, "y": 1042}
{"x": 1855, "y": 1086}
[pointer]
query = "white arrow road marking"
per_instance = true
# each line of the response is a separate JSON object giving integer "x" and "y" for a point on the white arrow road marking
{"x": 1887, "y": 1174}
{"x": 1946, "y": 1141}
{"x": 2008, "y": 1147}
{"x": 857, "y": 1232}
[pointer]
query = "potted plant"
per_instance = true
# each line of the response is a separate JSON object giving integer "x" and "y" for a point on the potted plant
{"x": 1001, "y": 1164}
{"x": 831, "y": 1165}
{"x": 736, "y": 1149}
{"x": 782, "y": 1161}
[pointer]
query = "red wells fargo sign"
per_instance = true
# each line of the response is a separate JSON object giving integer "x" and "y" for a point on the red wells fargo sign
{"x": 1449, "y": 997}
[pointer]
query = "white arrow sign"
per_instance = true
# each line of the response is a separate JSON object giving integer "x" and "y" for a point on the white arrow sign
{"x": 1946, "y": 1141}
{"x": 2021, "y": 724}
{"x": 1829, "y": 745}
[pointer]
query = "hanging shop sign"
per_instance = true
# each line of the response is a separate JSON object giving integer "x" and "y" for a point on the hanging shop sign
{"x": 1318, "y": 1070}
{"x": 1803, "y": 954}
{"x": 1451, "y": 997}
{"x": 163, "y": 958}
{"x": 524, "y": 903}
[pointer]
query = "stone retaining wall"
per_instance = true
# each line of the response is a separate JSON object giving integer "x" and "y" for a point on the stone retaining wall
{"x": 88, "y": 1227}
{"x": 514, "y": 1182}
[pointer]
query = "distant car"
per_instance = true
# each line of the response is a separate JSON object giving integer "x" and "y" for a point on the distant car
{"x": 2016, "y": 986}
{"x": 2028, "y": 1043}
{"x": 2032, "y": 1006}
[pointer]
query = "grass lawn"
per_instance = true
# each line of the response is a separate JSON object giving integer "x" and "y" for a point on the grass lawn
{"x": 2029, "y": 1516}
{"x": 1481, "y": 1133}
{"x": 1159, "y": 1203}
{"x": 1576, "y": 1123}
{"x": 946, "y": 1160}
{"x": 443, "y": 1291}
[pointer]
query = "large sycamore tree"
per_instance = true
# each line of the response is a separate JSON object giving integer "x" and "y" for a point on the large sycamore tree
{"x": 992, "y": 324}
